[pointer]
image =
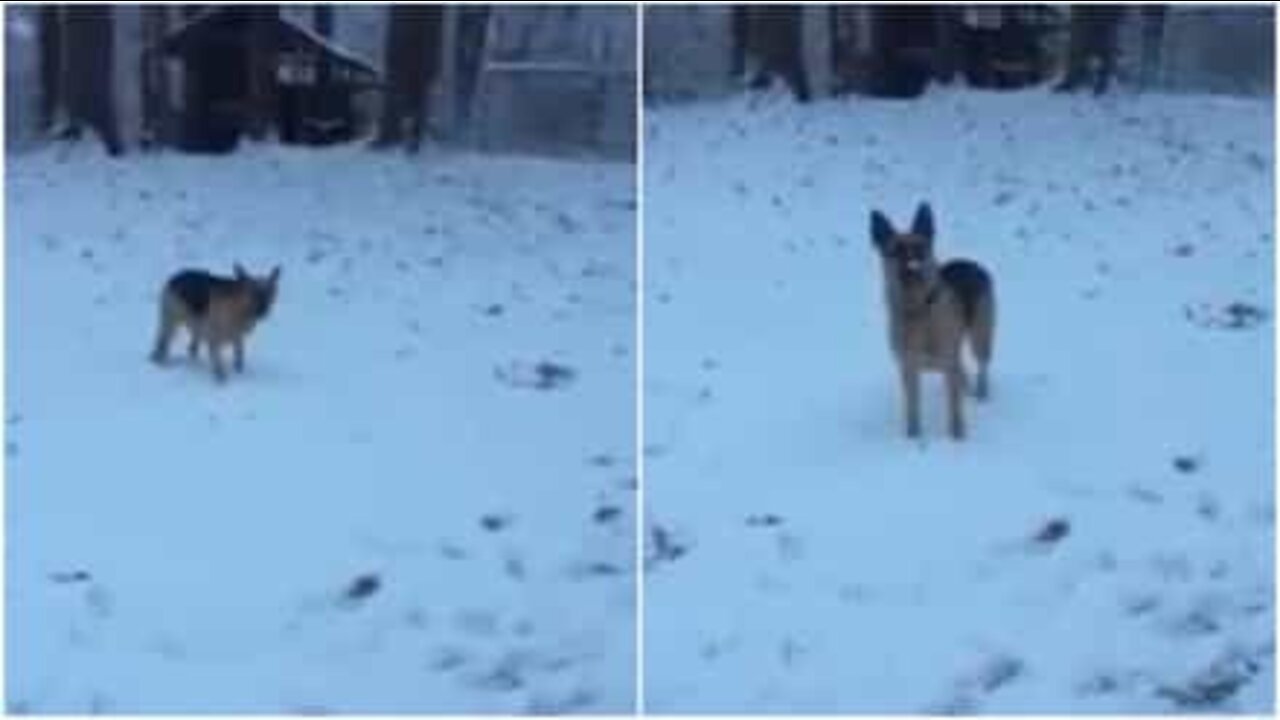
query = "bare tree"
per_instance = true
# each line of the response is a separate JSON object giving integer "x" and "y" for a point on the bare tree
{"x": 772, "y": 35}
{"x": 155, "y": 23}
{"x": 53, "y": 105}
{"x": 412, "y": 64}
{"x": 89, "y": 53}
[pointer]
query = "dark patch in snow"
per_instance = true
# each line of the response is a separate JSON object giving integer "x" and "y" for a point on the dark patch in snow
{"x": 362, "y": 587}
{"x": 566, "y": 223}
{"x": 505, "y": 676}
{"x": 575, "y": 701}
{"x": 69, "y": 577}
{"x": 999, "y": 672}
{"x": 1232, "y": 316}
{"x": 1052, "y": 531}
{"x": 602, "y": 460}
{"x": 662, "y": 547}
{"x": 994, "y": 673}
{"x": 1140, "y": 605}
{"x": 1145, "y": 495}
{"x": 451, "y": 551}
{"x": 1101, "y": 683}
{"x": 494, "y": 522}
{"x": 1186, "y": 464}
{"x": 543, "y": 375}
{"x": 1196, "y": 623}
{"x": 1213, "y": 685}
{"x": 765, "y": 520}
{"x": 606, "y": 514}
{"x": 596, "y": 569}
{"x": 494, "y": 310}
{"x": 1257, "y": 162}
{"x": 790, "y": 651}
{"x": 447, "y": 658}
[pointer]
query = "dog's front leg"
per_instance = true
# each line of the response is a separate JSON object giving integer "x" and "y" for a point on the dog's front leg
{"x": 238, "y": 347}
{"x": 215, "y": 356}
{"x": 955, "y": 399}
{"x": 911, "y": 396}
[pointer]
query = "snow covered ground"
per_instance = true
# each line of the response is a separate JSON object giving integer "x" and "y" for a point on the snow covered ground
{"x": 1103, "y": 542}
{"x": 418, "y": 497}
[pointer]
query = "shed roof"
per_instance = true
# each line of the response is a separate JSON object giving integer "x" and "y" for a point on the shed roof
{"x": 285, "y": 32}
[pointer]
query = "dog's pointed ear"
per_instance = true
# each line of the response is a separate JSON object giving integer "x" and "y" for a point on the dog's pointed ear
{"x": 239, "y": 271}
{"x": 922, "y": 225}
{"x": 274, "y": 277}
{"x": 881, "y": 230}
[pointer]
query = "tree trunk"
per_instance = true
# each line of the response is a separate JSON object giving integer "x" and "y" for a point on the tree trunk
{"x": 90, "y": 48}
{"x": 155, "y": 94}
{"x": 52, "y": 66}
{"x": 773, "y": 35}
{"x": 412, "y": 63}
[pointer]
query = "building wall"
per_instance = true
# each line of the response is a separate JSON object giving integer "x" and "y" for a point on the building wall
{"x": 21, "y": 77}
{"x": 557, "y": 80}
{"x": 687, "y": 51}
{"x": 1228, "y": 49}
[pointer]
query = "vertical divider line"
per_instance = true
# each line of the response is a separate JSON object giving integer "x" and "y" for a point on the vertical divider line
{"x": 640, "y": 513}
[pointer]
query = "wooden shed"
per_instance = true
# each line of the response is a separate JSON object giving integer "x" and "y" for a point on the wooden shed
{"x": 244, "y": 69}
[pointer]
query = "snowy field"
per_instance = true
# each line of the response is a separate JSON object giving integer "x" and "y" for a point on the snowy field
{"x": 1103, "y": 542}
{"x": 417, "y": 498}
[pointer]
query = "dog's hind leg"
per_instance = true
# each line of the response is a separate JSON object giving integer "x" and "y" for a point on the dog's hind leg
{"x": 237, "y": 347}
{"x": 167, "y": 324}
{"x": 911, "y": 397}
{"x": 982, "y": 339}
{"x": 215, "y": 356}
{"x": 955, "y": 399}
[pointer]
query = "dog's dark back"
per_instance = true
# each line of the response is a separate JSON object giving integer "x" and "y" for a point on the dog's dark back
{"x": 969, "y": 282}
{"x": 195, "y": 288}
{"x": 198, "y": 288}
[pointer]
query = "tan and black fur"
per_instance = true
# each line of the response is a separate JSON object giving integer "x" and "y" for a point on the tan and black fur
{"x": 216, "y": 311}
{"x": 933, "y": 311}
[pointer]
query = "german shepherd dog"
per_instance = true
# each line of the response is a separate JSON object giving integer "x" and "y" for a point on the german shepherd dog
{"x": 932, "y": 311}
{"x": 215, "y": 310}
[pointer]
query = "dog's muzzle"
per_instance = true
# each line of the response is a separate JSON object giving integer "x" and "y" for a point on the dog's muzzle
{"x": 911, "y": 270}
